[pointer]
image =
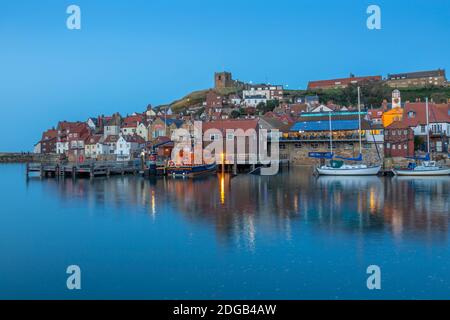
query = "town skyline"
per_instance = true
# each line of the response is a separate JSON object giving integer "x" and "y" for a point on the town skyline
{"x": 122, "y": 63}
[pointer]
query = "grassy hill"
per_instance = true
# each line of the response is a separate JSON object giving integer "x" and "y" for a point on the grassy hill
{"x": 196, "y": 98}
{"x": 372, "y": 94}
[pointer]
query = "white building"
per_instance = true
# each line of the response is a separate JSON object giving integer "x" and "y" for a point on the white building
{"x": 127, "y": 145}
{"x": 253, "y": 101}
{"x": 62, "y": 146}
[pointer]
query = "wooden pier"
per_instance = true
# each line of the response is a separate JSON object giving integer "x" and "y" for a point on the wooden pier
{"x": 91, "y": 169}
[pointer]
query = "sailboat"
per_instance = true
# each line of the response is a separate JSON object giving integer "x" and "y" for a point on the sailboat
{"x": 338, "y": 168}
{"x": 427, "y": 167}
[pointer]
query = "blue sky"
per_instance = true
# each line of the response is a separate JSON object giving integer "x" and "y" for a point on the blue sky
{"x": 131, "y": 53}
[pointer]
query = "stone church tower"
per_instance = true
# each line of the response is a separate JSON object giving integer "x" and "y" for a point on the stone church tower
{"x": 223, "y": 80}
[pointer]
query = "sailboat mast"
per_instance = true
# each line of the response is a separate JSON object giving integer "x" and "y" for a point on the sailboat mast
{"x": 331, "y": 132}
{"x": 428, "y": 124}
{"x": 359, "y": 119}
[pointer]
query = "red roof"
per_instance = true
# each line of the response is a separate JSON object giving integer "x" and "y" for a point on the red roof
{"x": 398, "y": 125}
{"x": 49, "y": 134}
{"x": 375, "y": 113}
{"x": 414, "y": 114}
{"x": 223, "y": 125}
{"x": 134, "y": 138}
{"x": 93, "y": 139}
{"x": 111, "y": 139}
{"x": 132, "y": 121}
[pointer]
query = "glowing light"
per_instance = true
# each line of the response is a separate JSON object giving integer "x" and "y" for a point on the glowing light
{"x": 222, "y": 189}
{"x": 153, "y": 204}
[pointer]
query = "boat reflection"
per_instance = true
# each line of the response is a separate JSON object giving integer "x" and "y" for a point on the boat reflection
{"x": 246, "y": 206}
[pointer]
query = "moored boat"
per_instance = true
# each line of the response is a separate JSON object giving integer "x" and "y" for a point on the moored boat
{"x": 337, "y": 167}
{"x": 428, "y": 168}
{"x": 349, "y": 170}
{"x": 190, "y": 171}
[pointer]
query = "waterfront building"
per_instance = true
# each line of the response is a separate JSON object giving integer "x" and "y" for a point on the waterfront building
{"x": 417, "y": 79}
{"x": 70, "y": 137}
{"x": 439, "y": 124}
{"x": 214, "y": 129}
{"x": 107, "y": 146}
{"x": 90, "y": 145}
{"x": 128, "y": 147}
{"x": 399, "y": 140}
{"x": 47, "y": 144}
{"x": 311, "y": 133}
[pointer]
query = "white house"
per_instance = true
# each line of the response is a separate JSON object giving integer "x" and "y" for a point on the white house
{"x": 90, "y": 145}
{"x": 128, "y": 145}
{"x": 253, "y": 101}
{"x": 142, "y": 131}
{"x": 128, "y": 129}
{"x": 107, "y": 146}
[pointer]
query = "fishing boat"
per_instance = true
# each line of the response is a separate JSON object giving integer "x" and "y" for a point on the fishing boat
{"x": 190, "y": 171}
{"x": 183, "y": 165}
{"x": 428, "y": 167}
{"x": 338, "y": 167}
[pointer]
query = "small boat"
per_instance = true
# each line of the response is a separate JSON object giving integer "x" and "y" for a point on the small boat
{"x": 428, "y": 167}
{"x": 337, "y": 167}
{"x": 190, "y": 171}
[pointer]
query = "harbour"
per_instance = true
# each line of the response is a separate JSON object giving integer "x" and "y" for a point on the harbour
{"x": 217, "y": 236}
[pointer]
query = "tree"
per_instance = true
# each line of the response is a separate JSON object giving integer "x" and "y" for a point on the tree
{"x": 235, "y": 114}
{"x": 269, "y": 106}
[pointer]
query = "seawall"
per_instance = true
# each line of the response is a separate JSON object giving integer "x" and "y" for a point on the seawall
{"x": 24, "y": 157}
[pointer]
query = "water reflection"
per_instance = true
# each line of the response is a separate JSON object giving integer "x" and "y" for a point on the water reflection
{"x": 240, "y": 208}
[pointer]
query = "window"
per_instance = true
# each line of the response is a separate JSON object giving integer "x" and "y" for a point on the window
{"x": 405, "y": 147}
{"x": 393, "y": 147}
{"x": 298, "y": 146}
{"x": 422, "y": 128}
{"x": 282, "y": 146}
{"x": 213, "y": 137}
{"x": 230, "y": 136}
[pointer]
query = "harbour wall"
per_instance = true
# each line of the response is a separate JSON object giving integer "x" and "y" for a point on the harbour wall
{"x": 24, "y": 157}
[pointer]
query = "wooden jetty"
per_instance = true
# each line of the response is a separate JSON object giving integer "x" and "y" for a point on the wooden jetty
{"x": 89, "y": 169}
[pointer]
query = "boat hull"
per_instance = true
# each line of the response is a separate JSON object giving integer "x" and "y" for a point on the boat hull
{"x": 422, "y": 173}
{"x": 191, "y": 171}
{"x": 369, "y": 171}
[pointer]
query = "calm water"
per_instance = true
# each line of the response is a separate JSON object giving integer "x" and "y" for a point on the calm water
{"x": 292, "y": 236}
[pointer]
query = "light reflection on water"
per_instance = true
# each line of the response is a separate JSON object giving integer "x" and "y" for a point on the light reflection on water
{"x": 288, "y": 236}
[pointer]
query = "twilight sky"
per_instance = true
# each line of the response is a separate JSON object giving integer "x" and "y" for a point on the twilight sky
{"x": 131, "y": 53}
